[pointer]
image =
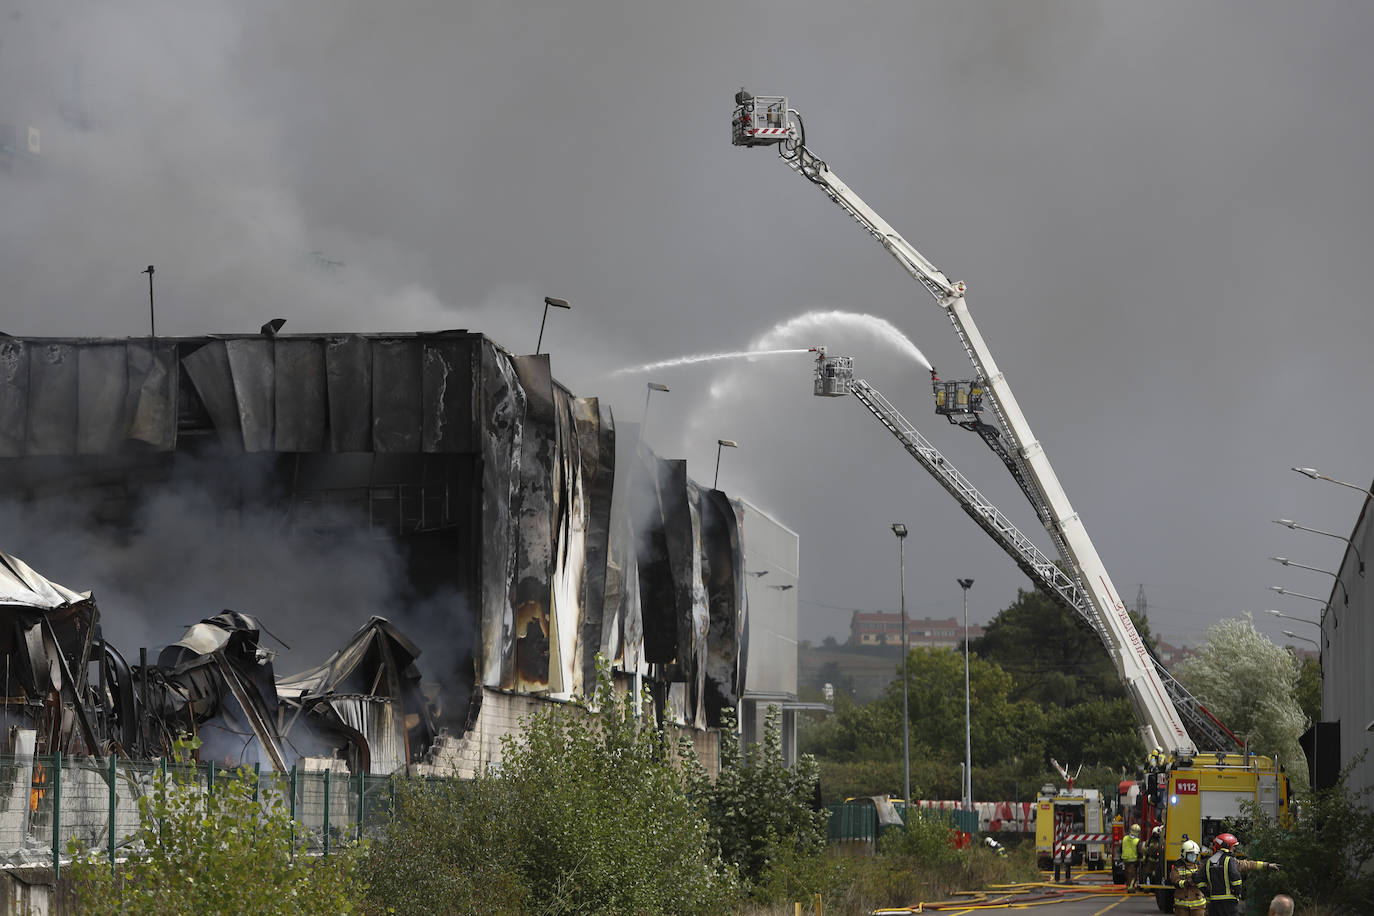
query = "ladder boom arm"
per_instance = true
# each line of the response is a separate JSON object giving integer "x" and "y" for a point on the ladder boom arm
{"x": 1110, "y": 618}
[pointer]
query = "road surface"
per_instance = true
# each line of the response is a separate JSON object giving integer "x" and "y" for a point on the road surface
{"x": 1087, "y": 896}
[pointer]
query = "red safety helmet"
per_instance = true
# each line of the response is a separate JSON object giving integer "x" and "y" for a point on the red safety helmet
{"x": 1224, "y": 839}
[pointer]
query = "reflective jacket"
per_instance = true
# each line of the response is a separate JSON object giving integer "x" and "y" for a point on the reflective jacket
{"x": 1223, "y": 877}
{"x": 1187, "y": 879}
{"x": 1130, "y": 849}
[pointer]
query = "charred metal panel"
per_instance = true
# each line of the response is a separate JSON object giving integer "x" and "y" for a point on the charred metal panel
{"x": 14, "y": 397}
{"x": 657, "y": 594}
{"x": 348, "y": 378}
{"x": 596, "y": 446}
{"x": 396, "y": 398}
{"x": 300, "y": 406}
{"x": 150, "y": 406}
{"x": 533, "y": 512}
{"x": 208, "y": 368}
{"x": 449, "y": 391}
{"x": 700, "y": 621}
{"x": 723, "y": 567}
{"x": 53, "y": 387}
{"x": 254, "y": 372}
{"x": 680, "y": 538}
{"x": 102, "y": 382}
{"x": 503, "y": 409}
{"x": 570, "y": 564}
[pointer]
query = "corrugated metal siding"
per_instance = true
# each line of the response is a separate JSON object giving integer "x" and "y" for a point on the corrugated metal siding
{"x": 1347, "y": 647}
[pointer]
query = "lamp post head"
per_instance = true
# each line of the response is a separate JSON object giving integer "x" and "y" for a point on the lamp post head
{"x": 1272, "y": 611}
{"x": 899, "y": 529}
{"x": 965, "y": 584}
{"x": 1310, "y": 472}
{"x": 728, "y": 443}
{"x": 1283, "y": 560}
{"x": 1286, "y": 522}
{"x": 656, "y": 386}
{"x": 557, "y": 303}
{"x": 1278, "y": 588}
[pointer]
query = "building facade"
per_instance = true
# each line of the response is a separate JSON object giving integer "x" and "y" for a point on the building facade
{"x": 882, "y": 628}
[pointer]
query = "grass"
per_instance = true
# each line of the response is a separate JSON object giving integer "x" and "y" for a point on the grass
{"x": 859, "y": 884}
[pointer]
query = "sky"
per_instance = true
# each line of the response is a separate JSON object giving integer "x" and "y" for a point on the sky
{"x": 1162, "y": 213}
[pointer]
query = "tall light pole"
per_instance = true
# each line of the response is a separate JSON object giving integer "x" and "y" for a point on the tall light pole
{"x": 152, "y": 313}
{"x": 720, "y": 444}
{"x": 1317, "y": 475}
{"x": 1326, "y": 572}
{"x": 900, "y": 530}
{"x": 556, "y": 303}
{"x": 967, "y": 584}
{"x": 1291, "y": 635}
{"x": 1289, "y": 523}
{"x": 1310, "y": 623}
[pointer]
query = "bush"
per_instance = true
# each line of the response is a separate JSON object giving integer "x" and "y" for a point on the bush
{"x": 446, "y": 850}
{"x": 1326, "y": 854}
{"x": 223, "y": 853}
{"x": 760, "y": 812}
{"x": 589, "y": 814}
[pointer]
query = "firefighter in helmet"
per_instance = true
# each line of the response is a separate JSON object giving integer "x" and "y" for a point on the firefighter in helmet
{"x": 1130, "y": 855}
{"x": 1188, "y": 880}
{"x": 995, "y": 846}
{"x": 1225, "y": 872}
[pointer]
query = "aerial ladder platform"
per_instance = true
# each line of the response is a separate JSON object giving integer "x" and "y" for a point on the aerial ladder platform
{"x": 1080, "y": 581}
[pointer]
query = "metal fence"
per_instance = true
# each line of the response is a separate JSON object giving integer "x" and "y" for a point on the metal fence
{"x": 855, "y": 823}
{"x": 46, "y": 802}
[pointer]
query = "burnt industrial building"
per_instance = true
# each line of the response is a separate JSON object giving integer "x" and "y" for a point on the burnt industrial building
{"x": 527, "y": 535}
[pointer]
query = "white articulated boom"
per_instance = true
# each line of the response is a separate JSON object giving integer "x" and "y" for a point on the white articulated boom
{"x": 1085, "y": 587}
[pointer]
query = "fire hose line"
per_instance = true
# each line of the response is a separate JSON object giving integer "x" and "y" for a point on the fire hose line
{"x": 1000, "y": 903}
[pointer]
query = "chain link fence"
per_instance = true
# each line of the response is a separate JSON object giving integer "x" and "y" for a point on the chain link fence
{"x": 46, "y": 802}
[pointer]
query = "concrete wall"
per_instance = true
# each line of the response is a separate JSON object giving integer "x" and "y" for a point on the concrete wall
{"x": 501, "y": 714}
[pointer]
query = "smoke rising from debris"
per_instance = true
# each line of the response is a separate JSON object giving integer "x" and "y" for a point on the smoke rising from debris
{"x": 211, "y": 537}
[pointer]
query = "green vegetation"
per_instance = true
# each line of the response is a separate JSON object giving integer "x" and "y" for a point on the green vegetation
{"x": 230, "y": 852}
{"x": 1041, "y": 686}
{"x": 1251, "y": 685}
{"x": 1327, "y": 855}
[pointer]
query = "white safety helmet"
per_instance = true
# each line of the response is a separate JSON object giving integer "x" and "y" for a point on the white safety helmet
{"x": 1191, "y": 850}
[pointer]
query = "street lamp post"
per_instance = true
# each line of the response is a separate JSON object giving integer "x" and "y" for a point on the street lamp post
{"x": 966, "y": 584}
{"x": 1310, "y": 623}
{"x": 650, "y": 388}
{"x": 1283, "y": 591}
{"x": 1289, "y": 523}
{"x": 1292, "y": 635}
{"x": 900, "y": 530}
{"x": 556, "y": 303}
{"x": 1287, "y": 562}
{"x": 721, "y": 444}
{"x": 1317, "y": 475}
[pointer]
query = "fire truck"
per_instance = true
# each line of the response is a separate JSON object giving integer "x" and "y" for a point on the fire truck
{"x": 1188, "y": 793}
{"x": 1073, "y": 816}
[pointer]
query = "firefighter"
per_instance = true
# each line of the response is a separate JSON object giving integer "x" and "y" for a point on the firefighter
{"x": 1225, "y": 872}
{"x": 1130, "y": 855}
{"x": 995, "y": 846}
{"x": 1152, "y": 857}
{"x": 1063, "y": 856}
{"x": 1188, "y": 880}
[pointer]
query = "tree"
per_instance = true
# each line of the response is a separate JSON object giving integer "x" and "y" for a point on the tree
{"x": 1054, "y": 656}
{"x": 1309, "y": 689}
{"x": 1250, "y": 684}
{"x": 230, "y": 852}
